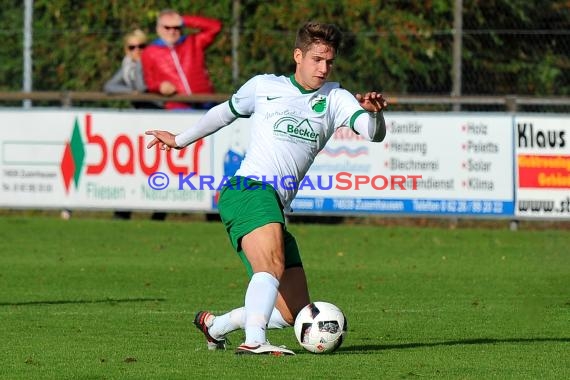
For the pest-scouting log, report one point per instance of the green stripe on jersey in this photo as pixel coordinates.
(234, 111)
(353, 119)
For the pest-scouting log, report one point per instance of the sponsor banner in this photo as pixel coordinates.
(459, 164)
(229, 146)
(542, 152)
(84, 159)
(461, 158)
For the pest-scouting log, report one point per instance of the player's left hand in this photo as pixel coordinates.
(372, 101)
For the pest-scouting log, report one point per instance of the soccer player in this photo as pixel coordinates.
(292, 118)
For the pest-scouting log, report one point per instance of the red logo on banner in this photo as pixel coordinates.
(73, 159)
(541, 171)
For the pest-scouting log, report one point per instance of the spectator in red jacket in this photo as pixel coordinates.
(175, 63)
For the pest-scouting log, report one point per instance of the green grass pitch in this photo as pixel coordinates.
(103, 299)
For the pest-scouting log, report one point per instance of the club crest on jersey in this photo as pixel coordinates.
(292, 128)
(319, 103)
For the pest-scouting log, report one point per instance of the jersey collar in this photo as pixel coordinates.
(296, 84)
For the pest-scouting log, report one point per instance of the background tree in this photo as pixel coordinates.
(510, 46)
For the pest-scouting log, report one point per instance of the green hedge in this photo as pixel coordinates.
(393, 46)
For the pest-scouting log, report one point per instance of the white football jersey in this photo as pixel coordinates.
(289, 127)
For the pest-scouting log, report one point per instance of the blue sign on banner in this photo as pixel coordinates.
(404, 206)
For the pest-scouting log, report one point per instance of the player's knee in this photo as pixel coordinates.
(277, 273)
(276, 266)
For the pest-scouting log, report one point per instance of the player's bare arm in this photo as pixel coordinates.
(372, 101)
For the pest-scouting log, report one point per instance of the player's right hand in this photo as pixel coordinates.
(164, 139)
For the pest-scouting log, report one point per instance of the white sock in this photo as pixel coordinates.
(276, 321)
(235, 320)
(259, 303)
(226, 323)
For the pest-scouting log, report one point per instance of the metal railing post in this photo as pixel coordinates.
(511, 103)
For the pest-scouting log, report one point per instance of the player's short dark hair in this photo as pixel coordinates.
(315, 32)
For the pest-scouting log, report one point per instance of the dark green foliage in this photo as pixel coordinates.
(11, 57)
(510, 47)
(525, 50)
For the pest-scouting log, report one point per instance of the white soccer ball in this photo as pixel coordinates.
(320, 327)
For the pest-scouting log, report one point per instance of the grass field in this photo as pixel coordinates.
(102, 299)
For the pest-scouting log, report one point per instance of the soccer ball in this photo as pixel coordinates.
(320, 327)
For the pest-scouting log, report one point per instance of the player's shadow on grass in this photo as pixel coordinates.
(64, 302)
(363, 349)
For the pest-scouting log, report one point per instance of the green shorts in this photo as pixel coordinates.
(245, 205)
